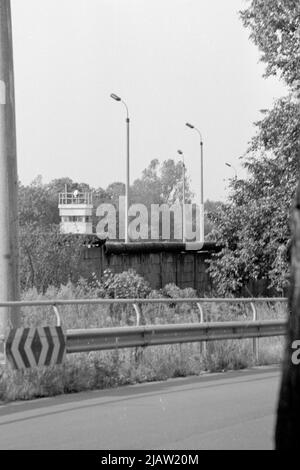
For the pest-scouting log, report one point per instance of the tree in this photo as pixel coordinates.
(33, 203)
(160, 184)
(211, 208)
(48, 257)
(114, 191)
(147, 189)
(254, 225)
(274, 26)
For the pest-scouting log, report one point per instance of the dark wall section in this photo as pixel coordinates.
(163, 263)
(184, 268)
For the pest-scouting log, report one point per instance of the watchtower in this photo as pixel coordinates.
(75, 210)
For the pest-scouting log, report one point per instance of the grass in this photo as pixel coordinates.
(104, 369)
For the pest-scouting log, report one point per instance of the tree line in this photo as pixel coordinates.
(49, 257)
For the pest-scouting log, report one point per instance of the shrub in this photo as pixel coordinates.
(126, 285)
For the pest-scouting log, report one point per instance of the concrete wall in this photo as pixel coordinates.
(185, 269)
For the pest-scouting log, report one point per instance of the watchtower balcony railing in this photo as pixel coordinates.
(75, 198)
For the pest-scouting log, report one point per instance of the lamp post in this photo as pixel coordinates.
(231, 166)
(201, 183)
(183, 196)
(117, 98)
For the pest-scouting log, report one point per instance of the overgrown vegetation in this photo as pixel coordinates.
(48, 257)
(97, 370)
(254, 226)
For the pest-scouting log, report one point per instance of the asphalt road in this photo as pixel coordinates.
(233, 410)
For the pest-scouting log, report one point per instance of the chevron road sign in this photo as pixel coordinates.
(32, 347)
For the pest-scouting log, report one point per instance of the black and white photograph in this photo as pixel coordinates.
(149, 228)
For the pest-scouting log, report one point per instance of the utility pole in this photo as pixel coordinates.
(9, 248)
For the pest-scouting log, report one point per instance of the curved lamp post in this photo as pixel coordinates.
(180, 152)
(117, 98)
(201, 184)
(231, 166)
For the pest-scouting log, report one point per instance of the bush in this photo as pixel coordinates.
(126, 285)
(173, 291)
(47, 257)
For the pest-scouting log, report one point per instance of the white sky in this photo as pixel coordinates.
(172, 61)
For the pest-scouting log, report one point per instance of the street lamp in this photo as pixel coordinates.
(201, 184)
(180, 152)
(117, 98)
(231, 166)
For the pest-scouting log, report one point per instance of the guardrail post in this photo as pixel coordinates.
(138, 350)
(58, 319)
(255, 341)
(203, 345)
(138, 314)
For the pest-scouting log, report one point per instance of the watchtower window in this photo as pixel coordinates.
(76, 218)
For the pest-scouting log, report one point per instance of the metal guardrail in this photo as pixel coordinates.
(137, 303)
(194, 300)
(150, 335)
(153, 335)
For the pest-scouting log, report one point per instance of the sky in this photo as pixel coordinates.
(171, 61)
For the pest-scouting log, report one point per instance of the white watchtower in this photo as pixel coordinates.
(76, 210)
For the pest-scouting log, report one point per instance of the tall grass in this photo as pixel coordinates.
(98, 370)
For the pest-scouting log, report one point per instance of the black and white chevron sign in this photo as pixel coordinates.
(32, 347)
